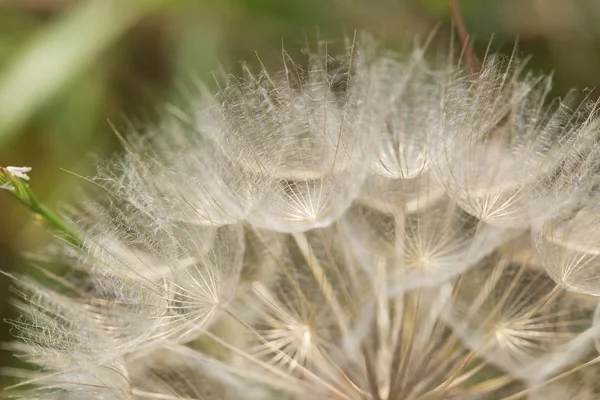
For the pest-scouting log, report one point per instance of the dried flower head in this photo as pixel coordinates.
(369, 226)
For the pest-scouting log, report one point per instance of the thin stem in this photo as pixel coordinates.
(19, 189)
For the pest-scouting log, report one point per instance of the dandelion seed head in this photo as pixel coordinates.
(371, 225)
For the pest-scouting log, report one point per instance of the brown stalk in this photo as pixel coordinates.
(472, 59)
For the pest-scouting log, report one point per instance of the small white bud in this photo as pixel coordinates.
(19, 172)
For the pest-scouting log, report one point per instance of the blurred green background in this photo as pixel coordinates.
(67, 67)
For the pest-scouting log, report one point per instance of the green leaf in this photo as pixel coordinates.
(59, 54)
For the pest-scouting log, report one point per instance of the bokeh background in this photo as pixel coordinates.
(68, 67)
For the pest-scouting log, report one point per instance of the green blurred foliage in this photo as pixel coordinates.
(69, 66)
